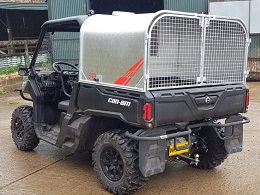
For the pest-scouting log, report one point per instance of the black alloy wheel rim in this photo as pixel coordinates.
(112, 163)
(19, 129)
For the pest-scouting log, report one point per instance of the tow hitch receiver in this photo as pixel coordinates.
(182, 146)
(153, 145)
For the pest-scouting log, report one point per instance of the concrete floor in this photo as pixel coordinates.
(47, 170)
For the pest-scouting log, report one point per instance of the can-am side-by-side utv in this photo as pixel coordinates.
(137, 90)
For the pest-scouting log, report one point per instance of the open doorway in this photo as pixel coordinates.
(136, 6)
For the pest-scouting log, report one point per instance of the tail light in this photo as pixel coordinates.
(247, 101)
(148, 111)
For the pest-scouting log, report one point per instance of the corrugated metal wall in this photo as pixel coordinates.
(254, 57)
(196, 6)
(65, 46)
(254, 48)
(65, 8)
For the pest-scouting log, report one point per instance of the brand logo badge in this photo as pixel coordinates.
(119, 102)
(207, 100)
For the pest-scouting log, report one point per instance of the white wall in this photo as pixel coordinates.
(239, 9)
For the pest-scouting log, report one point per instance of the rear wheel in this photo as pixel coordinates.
(115, 160)
(22, 128)
(210, 148)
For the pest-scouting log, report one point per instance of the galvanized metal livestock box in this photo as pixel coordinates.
(162, 50)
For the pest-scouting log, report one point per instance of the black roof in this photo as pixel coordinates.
(72, 23)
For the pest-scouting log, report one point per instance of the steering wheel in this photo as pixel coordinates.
(56, 66)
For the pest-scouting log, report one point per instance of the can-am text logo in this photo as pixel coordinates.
(118, 102)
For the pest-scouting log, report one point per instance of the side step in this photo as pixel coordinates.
(47, 133)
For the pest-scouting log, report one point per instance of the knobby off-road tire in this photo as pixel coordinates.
(115, 160)
(22, 128)
(210, 148)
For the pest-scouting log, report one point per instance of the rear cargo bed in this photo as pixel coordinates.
(181, 105)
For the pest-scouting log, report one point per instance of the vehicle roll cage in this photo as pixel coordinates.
(69, 24)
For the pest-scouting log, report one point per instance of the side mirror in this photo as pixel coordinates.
(23, 72)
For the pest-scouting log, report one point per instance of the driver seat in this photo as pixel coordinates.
(64, 105)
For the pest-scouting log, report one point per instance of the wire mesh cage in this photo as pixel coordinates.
(224, 52)
(190, 51)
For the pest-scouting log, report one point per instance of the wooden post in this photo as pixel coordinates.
(9, 30)
(26, 56)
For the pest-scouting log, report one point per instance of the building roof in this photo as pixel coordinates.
(23, 6)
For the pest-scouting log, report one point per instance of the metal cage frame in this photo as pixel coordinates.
(233, 58)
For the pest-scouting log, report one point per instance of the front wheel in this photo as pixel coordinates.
(115, 160)
(22, 128)
(210, 148)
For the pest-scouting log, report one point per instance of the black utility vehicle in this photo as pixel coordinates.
(148, 88)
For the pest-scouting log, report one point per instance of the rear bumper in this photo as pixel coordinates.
(142, 135)
(153, 143)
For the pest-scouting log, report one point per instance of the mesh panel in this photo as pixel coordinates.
(65, 47)
(61, 46)
(183, 53)
(174, 52)
(224, 52)
(44, 58)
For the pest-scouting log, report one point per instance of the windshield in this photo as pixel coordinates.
(58, 46)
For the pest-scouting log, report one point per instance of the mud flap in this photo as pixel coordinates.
(234, 144)
(152, 157)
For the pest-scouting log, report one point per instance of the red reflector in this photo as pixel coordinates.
(247, 99)
(148, 111)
